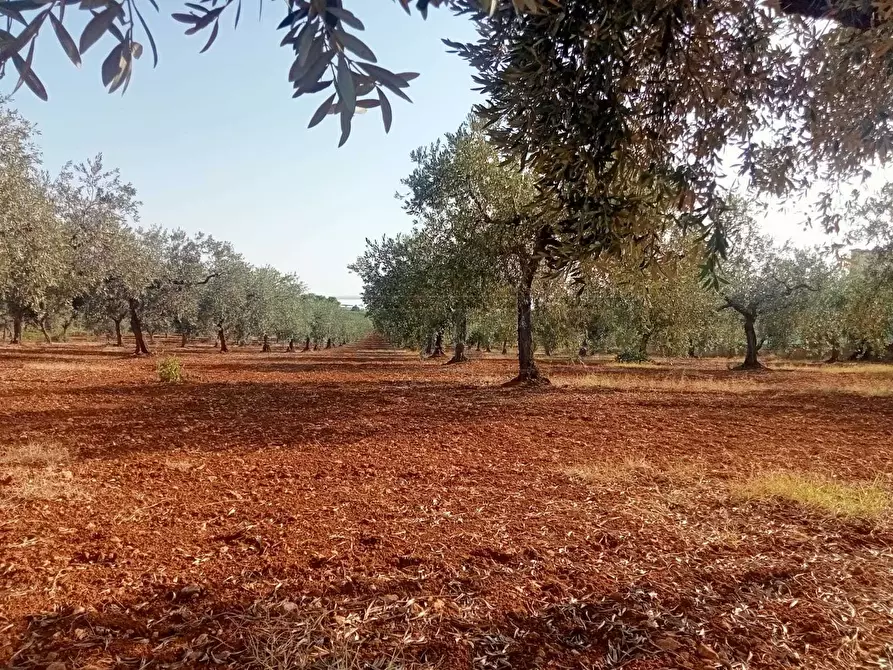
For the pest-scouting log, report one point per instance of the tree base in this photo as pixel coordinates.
(750, 366)
(457, 359)
(437, 354)
(529, 378)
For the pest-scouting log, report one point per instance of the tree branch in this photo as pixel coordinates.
(791, 289)
(183, 282)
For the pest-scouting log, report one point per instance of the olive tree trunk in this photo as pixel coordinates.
(266, 347)
(461, 335)
(221, 337)
(136, 327)
(438, 345)
(119, 336)
(43, 329)
(751, 360)
(17, 321)
(528, 372)
(306, 344)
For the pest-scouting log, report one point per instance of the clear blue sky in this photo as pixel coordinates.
(214, 142)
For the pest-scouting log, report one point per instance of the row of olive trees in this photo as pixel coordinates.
(472, 271)
(70, 255)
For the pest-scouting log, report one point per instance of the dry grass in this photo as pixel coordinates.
(633, 470)
(837, 368)
(33, 453)
(181, 466)
(667, 383)
(50, 483)
(628, 470)
(32, 471)
(864, 500)
(874, 388)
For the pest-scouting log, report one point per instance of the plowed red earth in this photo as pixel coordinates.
(360, 507)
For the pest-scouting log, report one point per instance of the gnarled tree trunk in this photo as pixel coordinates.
(43, 329)
(136, 327)
(221, 337)
(461, 335)
(429, 345)
(306, 344)
(528, 372)
(438, 345)
(644, 339)
(17, 321)
(119, 336)
(266, 347)
(751, 361)
(291, 345)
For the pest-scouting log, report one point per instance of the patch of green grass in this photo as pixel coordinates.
(864, 500)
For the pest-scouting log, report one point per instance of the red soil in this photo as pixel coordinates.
(387, 507)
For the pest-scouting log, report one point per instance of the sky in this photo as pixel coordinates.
(215, 143)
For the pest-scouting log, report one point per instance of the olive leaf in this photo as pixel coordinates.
(98, 26)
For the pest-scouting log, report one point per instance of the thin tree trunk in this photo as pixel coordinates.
(329, 343)
(46, 334)
(835, 353)
(584, 349)
(751, 362)
(307, 344)
(65, 327)
(16, 329)
(136, 327)
(184, 339)
(528, 372)
(438, 345)
(461, 334)
(119, 337)
(477, 346)
(315, 345)
(487, 346)
(692, 353)
(221, 337)
(547, 348)
(505, 348)
(291, 345)
(266, 348)
(151, 337)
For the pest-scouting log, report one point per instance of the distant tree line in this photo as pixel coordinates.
(71, 256)
(470, 272)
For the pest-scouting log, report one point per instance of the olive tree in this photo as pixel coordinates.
(610, 104)
(465, 181)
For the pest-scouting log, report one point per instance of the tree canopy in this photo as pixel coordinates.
(612, 105)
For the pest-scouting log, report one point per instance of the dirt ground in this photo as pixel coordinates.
(361, 507)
